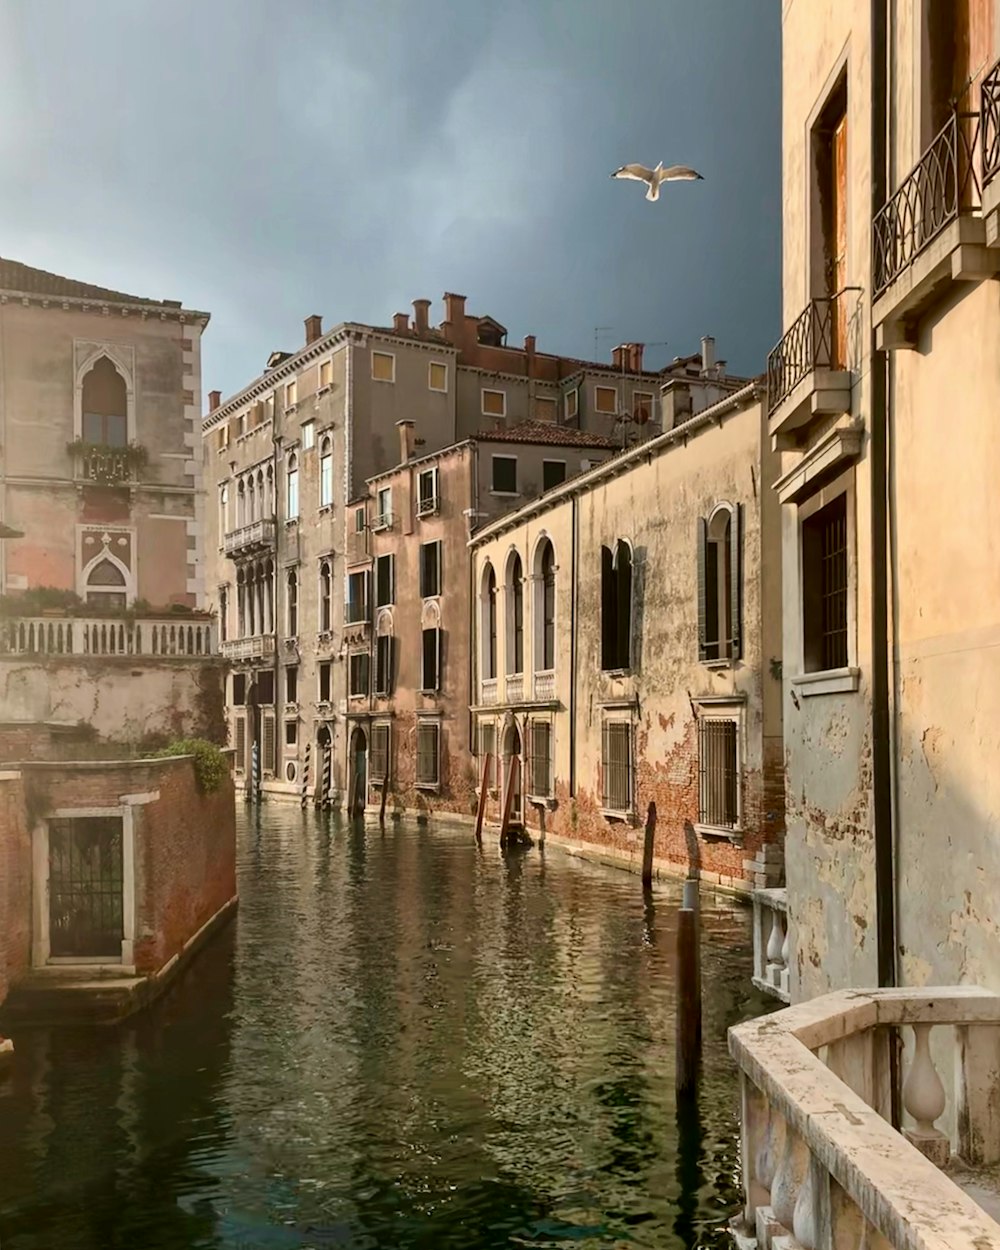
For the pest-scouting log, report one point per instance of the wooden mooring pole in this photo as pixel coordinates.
(647, 848)
(508, 799)
(688, 1046)
(483, 792)
(385, 795)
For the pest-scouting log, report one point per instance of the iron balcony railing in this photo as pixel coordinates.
(944, 185)
(357, 612)
(989, 123)
(816, 339)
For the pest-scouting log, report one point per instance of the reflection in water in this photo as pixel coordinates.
(404, 1041)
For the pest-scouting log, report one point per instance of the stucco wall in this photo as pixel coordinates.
(15, 882)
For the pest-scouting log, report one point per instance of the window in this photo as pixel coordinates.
(291, 393)
(825, 586)
(265, 686)
(325, 375)
(545, 607)
(616, 766)
(267, 734)
(505, 475)
(829, 216)
(291, 733)
(240, 763)
(718, 773)
(606, 399)
(719, 585)
(380, 753)
(292, 488)
(359, 520)
(515, 615)
(488, 623)
(359, 664)
(291, 683)
(383, 664)
(223, 613)
(106, 585)
(292, 602)
(553, 473)
(427, 492)
(385, 580)
(308, 435)
(223, 442)
(269, 408)
(430, 669)
(572, 404)
(239, 689)
(642, 407)
(488, 747)
(428, 761)
(324, 681)
(616, 607)
(430, 569)
(383, 508)
(357, 598)
(383, 367)
(326, 472)
(325, 597)
(545, 410)
(437, 376)
(541, 759)
(105, 406)
(223, 510)
(494, 403)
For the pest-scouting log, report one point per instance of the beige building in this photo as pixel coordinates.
(627, 640)
(287, 459)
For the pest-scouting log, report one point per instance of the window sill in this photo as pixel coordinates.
(506, 494)
(719, 833)
(539, 800)
(718, 664)
(325, 509)
(830, 681)
(431, 786)
(291, 522)
(619, 674)
(323, 389)
(624, 817)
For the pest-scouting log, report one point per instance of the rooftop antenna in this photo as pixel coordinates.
(599, 332)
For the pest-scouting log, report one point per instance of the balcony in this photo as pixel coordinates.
(514, 688)
(488, 691)
(989, 123)
(257, 536)
(807, 373)
(428, 505)
(106, 638)
(822, 1164)
(357, 612)
(102, 465)
(770, 942)
(545, 686)
(931, 234)
(383, 521)
(260, 647)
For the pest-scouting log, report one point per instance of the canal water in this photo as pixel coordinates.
(403, 1041)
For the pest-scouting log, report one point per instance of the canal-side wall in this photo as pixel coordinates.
(15, 882)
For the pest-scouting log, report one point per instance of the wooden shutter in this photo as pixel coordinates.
(623, 589)
(268, 752)
(701, 544)
(432, 659)
(241, 744)
(736, 582)
(609, 642)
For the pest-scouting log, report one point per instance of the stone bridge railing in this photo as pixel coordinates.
(823, 1168)
(177, 638)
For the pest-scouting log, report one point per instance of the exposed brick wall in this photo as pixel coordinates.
(458, 788)
(15, 885)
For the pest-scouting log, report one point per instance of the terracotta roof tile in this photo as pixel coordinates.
(542, 432)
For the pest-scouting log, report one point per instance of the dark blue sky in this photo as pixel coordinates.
(266, 161)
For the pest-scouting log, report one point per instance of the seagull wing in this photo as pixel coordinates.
(639, 172)
(678, 173)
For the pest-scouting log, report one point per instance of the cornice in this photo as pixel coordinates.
(94, 304)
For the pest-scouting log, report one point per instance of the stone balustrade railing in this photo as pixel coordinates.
(771, 942)
(514, 687)
(823, 1167)
(545, 684)
(489, 690)
(105, 637)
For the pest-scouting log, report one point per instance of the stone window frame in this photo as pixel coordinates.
(489, 390)
(431, 366)
(384, 355)
(729, 709)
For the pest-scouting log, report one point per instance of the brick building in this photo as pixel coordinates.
(627, 638)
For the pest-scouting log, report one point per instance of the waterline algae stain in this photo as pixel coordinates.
(405, 1041)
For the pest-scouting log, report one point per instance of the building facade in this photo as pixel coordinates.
(626, 637)
(879, 395)
(288, 460)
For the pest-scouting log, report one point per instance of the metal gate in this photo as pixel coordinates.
(85, 887)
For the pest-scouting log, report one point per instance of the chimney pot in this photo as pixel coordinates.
(618, 356)
(314, 328)
(401, 323)
(454, 306)
(529, 344)
(405, 428)
(635, 356)
(707, 354)
(214, 399)
(421, 310)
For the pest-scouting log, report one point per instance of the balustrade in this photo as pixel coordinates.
(106, 637)
(514, 687)
(489, 690)
(771, 942)
(545, 684)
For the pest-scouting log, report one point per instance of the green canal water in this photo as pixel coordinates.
(403, 1041)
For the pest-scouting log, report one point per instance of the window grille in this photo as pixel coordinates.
(380, 753)
(718, 780)
(541, 759)
(617, 767)
(428, 741)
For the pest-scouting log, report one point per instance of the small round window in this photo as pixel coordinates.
(290, 771)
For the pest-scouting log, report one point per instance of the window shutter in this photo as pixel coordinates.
(702, 542)
(623, 587)
(423, 571)
(736, 581)
(437, 666)
(390, 658)
(392, 579)
(605, 757)
(608, 638)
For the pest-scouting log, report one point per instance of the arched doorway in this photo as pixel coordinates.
(358, 795)
(512, 750)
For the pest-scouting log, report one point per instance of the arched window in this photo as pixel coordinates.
(292, 602)
(106, 585)
(325, 597)
(241, 504)
(292, 487)
(616, 606)
(719, 624)
(268, 598)
(251, 501)
(269, 492)
(241, 603)
(545, 607)
(224, 509)
(261, 497)
(105, 406)
(223, 613)
(515, 615)
(326, 472)
(488, 618)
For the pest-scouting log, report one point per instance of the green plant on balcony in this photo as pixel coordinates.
(107, 465)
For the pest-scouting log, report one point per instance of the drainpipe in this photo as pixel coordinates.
(574, 500)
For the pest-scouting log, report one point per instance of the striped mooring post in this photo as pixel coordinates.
(328, 775)
(248, 782)
(305, 774)
(255, 767)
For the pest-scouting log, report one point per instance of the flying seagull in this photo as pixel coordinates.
(653, 177)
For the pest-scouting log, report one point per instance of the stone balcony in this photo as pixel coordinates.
(545, 685)
(488, 691)
(259, 647)
(108, 638)
(822, 1165)
(807, 371)
(257, 536)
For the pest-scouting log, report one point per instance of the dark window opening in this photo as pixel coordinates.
(359, 674)
(357, 597)
(616, 607)
(548, 608)
(428, 761)
(541, 757)
(291, 733)
(292, 684)
(380, 753)
(265, 686)
(105, 406)
(719, 585)
(383, 664)
(430, 677)
(430, 569)
(324, 683)
(824, 587)
(384, 581)
(553, 473)
(505, 474)
(239, 689)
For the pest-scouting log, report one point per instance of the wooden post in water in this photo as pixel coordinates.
(647, 849)
(483, 791)
(385, 795)
(508, 799)
(688, 1048)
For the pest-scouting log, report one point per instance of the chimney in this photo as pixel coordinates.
(214, 400)
(707, 354)
(421, 309)
(314, 329)
(454, 310)
(529, 352)
(635, 357)
(676, 403)
(405, 428)
(401, 323)
(618, 356)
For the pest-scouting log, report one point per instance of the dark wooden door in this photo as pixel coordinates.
(85, 887)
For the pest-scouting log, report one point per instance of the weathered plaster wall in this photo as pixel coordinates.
(15, 882)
